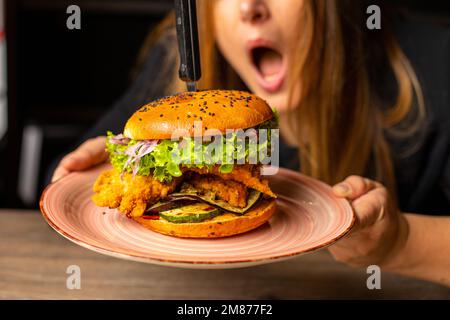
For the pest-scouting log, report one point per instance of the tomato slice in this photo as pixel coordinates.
(151, 217)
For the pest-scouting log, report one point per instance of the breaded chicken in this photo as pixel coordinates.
(108, 189)
(130, 194)
(235, 193)
(247, 174)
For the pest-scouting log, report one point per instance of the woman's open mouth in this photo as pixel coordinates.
(269, 65)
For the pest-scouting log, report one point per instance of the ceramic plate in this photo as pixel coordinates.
(308, 218)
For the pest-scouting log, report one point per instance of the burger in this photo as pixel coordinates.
(165, 182)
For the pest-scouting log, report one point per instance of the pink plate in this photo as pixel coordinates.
(308, 218)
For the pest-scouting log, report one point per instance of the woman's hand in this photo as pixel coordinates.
(380, 231)
(88, 154)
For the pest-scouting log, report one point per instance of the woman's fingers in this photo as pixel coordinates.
(59, 173)
(378, 226)
(85, 156)
(354, 186)
(368, 199)
(370, 207)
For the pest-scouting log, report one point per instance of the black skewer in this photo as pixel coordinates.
(187, 34)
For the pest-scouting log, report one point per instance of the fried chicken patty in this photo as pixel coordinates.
(247, 174)
(233, 192)
(130, 194)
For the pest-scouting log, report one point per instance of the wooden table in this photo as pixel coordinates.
(34, 259)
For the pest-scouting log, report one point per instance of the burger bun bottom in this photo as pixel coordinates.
(225, 225)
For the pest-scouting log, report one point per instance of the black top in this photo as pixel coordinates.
(423, 178)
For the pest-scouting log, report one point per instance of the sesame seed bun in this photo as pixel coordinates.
(216, 109)
(224, 225)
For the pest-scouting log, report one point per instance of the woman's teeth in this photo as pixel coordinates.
(270, 77)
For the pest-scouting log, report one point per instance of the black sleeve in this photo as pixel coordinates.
(423, 176)
(150, 84)
(429, 192)
(446, 178)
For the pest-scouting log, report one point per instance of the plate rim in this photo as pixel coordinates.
(192, 264)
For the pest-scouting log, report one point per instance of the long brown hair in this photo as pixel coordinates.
(345, 118)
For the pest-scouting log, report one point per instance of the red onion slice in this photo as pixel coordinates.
(136, 152)
(119, 139)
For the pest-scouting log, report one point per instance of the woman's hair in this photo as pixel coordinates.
(344, 111)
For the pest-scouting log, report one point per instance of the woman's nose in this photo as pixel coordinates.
(254, 11)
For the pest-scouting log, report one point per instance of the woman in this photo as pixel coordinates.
(349, 100)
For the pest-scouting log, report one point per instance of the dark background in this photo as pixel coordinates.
(60, 81)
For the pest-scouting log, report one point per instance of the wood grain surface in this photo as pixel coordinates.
(34, 259)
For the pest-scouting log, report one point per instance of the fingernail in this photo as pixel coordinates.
(341, 188)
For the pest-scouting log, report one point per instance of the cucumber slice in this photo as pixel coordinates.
(196, 212)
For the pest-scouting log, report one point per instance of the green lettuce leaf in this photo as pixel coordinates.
(166, 159)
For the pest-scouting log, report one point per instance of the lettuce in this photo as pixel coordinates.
(166, 158)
